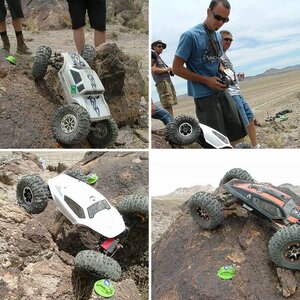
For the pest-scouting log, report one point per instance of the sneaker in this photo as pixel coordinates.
(258, 146)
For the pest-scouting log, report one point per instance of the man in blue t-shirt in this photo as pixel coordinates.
(197, 59)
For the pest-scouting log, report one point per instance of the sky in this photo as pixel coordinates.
(175, 168)
(266, 32)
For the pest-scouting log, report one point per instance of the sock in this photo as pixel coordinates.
(3, 33)
(18, 33)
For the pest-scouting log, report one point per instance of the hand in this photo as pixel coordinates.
(214, 83)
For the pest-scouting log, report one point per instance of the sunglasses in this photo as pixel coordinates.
(228, 40)
(159, 46)
(220, 18)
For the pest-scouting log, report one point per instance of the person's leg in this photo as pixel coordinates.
(97, 16)
(248, 118)
(162, 114)
(166, 96)
(170, 110)
(77, 11)
(99, 37)
(252, 133)
(79, 38)
(3, 32)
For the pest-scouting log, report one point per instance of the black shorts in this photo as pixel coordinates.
(15, 8)
(220, 112)
(96, 11)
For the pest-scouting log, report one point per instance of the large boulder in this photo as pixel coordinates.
(186, 259)
(123, 82)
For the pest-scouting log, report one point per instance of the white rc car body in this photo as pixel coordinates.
(84, 205)
(82, 85)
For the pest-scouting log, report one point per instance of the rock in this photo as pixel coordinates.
(45, 15)
(122, 82)
(288, 281)
(191, 269)
(3, 73)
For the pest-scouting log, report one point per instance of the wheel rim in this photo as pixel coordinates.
(27, 195)
(100, 131)
(68, 123)
(202, 213)
(185, 129)
(292, 252)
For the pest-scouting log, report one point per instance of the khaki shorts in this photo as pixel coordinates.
(167, 94)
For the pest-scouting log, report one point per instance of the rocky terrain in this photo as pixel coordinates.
(37, 251)
(267, 96)
(185, 258)
(27, 106)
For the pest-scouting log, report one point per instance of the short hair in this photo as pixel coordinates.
(214, 3)
(223, 32)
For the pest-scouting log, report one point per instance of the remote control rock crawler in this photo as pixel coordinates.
(86, 114)
(271, 203)
(82, 204)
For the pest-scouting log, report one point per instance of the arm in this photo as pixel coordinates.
(157, 70)
(180, 70)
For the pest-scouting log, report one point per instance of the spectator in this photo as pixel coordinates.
(234, 90)
(161, 75)
(197, 59)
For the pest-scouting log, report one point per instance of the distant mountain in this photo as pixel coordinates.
(274, 71)
(186, 192)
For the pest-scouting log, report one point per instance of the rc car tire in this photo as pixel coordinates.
(135, 207)
(32, 194)
(236, 173)
(46, 50)
(98, 265)
(103, 133)
(206, 210)
(40, 62)
(88, 54)
(70, 124)
(284, 247)
(77, 174)
(243, 146)
(182, 130)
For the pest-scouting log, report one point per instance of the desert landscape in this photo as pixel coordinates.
(267, 95)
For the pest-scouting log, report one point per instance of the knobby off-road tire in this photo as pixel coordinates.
(284, 247)
(182, 130)
(236, 173)
(206, 210)
(88, 54)
(77, 174)
(70, 124)
(98, 265)
(135, 207)
(103, 133)
(243, 146)
(40, 63)
(32, 194)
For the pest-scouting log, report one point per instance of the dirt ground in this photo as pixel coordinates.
(266, 96)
